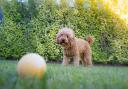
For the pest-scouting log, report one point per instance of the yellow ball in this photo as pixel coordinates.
(31, 64)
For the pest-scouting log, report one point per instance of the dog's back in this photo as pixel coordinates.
(82, 44)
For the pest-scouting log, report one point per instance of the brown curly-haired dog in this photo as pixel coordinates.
(75, 48)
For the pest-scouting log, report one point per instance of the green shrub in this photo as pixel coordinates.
(14, 41)
(38, 35)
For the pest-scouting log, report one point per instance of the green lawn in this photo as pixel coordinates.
(59, 77)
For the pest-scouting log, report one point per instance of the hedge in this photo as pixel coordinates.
(38, 33)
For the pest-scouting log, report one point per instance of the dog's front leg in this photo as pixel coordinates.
(76, 60)
(65, 60)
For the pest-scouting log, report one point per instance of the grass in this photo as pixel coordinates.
(59, 77)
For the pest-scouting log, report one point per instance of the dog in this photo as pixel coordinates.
(75, 48)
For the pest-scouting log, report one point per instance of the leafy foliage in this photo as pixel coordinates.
(86, 17)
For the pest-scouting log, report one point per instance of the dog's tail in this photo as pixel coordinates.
(90, 39)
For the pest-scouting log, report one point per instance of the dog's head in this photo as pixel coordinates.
(65, 36)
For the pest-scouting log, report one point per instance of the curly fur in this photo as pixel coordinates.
(75, 48)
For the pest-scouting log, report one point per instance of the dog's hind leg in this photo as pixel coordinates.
(87, 60)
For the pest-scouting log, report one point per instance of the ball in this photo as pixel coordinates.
(31, 64)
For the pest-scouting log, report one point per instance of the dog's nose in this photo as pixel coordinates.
(62, 41)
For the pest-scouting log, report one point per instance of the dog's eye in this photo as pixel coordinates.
(67, 36)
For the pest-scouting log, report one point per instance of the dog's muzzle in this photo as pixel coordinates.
(62, 41)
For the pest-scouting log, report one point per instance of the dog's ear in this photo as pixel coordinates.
(72, 42)
(71, 39)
